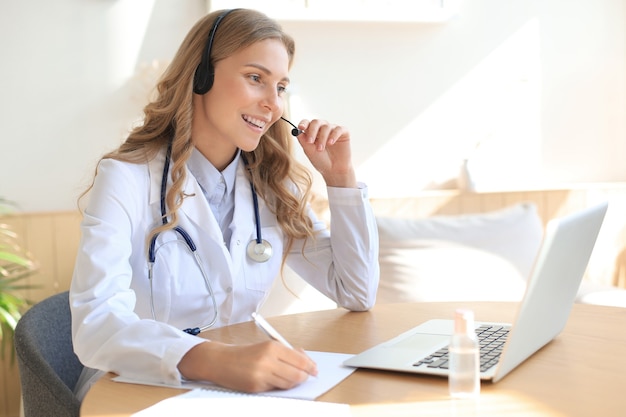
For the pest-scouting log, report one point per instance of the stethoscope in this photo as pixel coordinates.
(259, 249)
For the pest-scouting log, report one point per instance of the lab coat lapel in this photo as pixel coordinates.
(243, 225)
(195, 207)
(155, 166)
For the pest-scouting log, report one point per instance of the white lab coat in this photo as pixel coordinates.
(112, 323)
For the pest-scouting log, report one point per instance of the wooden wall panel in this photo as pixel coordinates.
(66, 240)
(52, 238)
(9, 389)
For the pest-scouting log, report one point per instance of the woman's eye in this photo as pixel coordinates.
(281, 89)
(255, 77)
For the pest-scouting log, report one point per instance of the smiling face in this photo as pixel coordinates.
(247, 97)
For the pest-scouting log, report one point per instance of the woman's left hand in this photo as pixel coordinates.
(328, 148)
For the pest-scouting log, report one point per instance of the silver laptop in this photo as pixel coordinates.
(550, 293)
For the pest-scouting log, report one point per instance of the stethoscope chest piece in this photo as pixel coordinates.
(259, 252)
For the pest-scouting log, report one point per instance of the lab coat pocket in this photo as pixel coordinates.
(260, 275)
(179, 285)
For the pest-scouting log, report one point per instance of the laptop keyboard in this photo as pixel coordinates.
(491, 340)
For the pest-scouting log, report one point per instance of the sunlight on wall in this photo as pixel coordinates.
(127, 22)
(349, 10)
(491, 117)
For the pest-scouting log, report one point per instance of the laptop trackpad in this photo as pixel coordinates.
(422, 341)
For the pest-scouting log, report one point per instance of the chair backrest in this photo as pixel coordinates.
(48, 367)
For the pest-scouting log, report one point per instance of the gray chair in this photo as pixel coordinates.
(48, 367)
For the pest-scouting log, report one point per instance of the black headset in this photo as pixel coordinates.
(205, 73)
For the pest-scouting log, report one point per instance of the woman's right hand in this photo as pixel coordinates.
(251, 368)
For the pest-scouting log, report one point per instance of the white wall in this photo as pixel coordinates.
(540, 84)
(72, 82)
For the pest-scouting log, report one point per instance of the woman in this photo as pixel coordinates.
(211, 168)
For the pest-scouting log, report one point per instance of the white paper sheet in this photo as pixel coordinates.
(203, 402)
(331, 372)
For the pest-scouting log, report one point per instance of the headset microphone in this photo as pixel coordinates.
(295, 131)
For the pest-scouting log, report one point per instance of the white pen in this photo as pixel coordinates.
(269, 330)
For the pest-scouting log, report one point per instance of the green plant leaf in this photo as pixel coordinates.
(16, 264)
(17, 259)
(9, 317)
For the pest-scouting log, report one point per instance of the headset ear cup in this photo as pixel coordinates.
(204, 75)
(203, 79)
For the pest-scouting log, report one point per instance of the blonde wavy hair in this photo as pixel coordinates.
(279, 179)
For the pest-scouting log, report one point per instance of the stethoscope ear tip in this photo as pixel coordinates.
(192, 331)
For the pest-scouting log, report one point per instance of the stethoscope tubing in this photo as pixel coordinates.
(259, 250)
(192, 247)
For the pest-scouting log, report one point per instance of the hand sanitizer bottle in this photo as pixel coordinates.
(464, 369)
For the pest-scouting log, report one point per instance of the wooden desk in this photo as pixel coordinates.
(581, 373)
